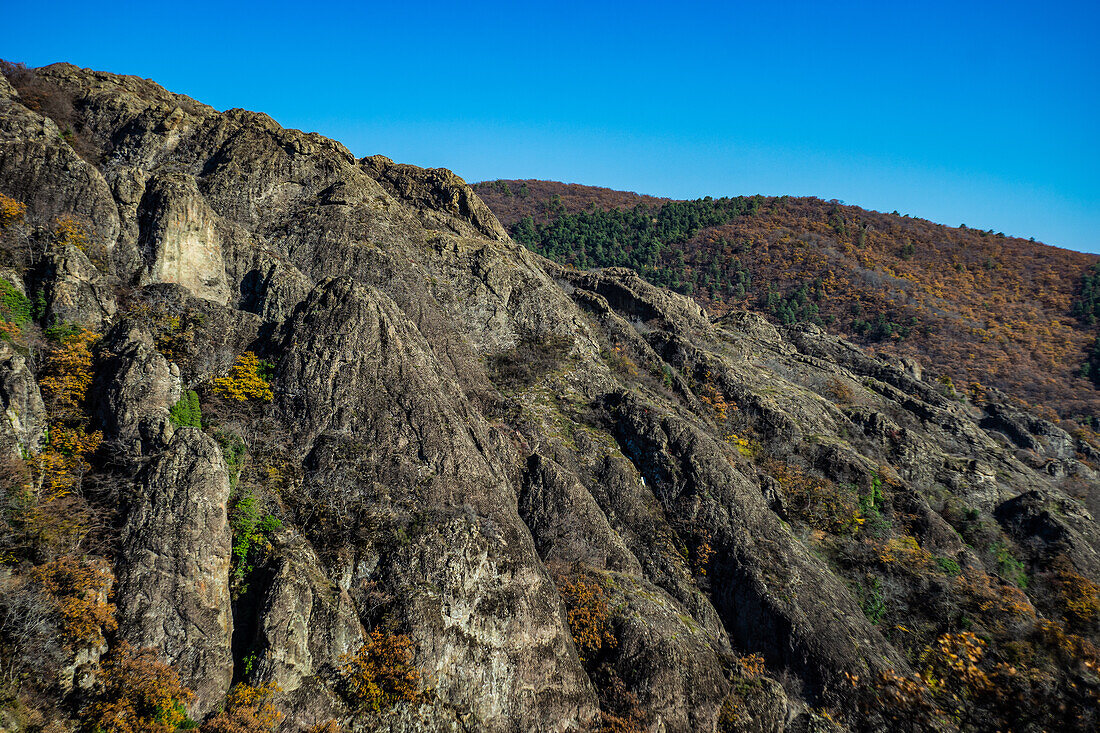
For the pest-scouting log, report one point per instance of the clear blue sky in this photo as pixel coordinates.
(984, 113)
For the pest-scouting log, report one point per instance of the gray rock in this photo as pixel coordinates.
(134, 389)
(77, 292)
(173, 574)
(24, 415)
(179, 239)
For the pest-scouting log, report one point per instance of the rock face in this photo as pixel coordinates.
(173, 573)
(135, 389)
(24, 418)
(179, 240)
(78, 292)
(582, 503)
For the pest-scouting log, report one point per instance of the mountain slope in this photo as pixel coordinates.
(977, 306)
(299, 440)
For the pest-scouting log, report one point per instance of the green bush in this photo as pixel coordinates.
(874, 607)
(60, 332)
(1008, 566)
(250, 529)
(186, 413)
(948, 565)
(14, 306)
(233, 451)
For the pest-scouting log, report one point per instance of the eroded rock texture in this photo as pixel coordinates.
(481, 451)
(173, 572)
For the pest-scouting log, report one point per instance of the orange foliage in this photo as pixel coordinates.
(79, 588)
(381, 673)
(140, 694)
(953, 660)
(247, 710)
(11, 211)
(818, 502)
(1072, 650)
(752, 665)
(68, 230)
(1001, 608)
(589, 616)
(839, 392)
(68, 374)
(703, 553)
(904, 552)
(903, 700)
(989, 309)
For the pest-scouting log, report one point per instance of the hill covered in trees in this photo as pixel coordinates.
(977, 308)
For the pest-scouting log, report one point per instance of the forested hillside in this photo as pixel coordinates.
(978, 308)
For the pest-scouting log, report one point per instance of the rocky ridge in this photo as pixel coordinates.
(584, 503)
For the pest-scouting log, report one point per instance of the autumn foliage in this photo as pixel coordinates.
(78, 588)
(381, 674)
(68, 374)
(978, 305)
(64, 384)
(244, 382)
(11, 211)
(818, 502)
(53, 511)
(1078, 596)
(140, 694)
(70, 231)
(589, 615)
(247, 709)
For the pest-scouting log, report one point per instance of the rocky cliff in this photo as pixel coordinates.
(318, 434)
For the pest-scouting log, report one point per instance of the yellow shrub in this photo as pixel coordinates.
(1079, 596)
(68, 374)
(904, 551)
(244, 381)
(381, 673)
(953, 661)
(11, 211)
(818, 502)
(589, 616)
(66, 377)
(712, 397)
(70, 230)
(247, 710)
(752, 665)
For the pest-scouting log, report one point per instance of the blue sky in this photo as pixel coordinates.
(984, 113)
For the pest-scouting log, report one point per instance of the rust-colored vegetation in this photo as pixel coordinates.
(982, 307)
(381, 674)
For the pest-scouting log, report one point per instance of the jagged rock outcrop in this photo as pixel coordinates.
(566, 523)
(458, 432)
(418, 449)
(173, 574)
(179, 239)
(24, 418)
(304, 623)
(135, 388)
(432, 190)
(1048, 525)
(76, 292)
